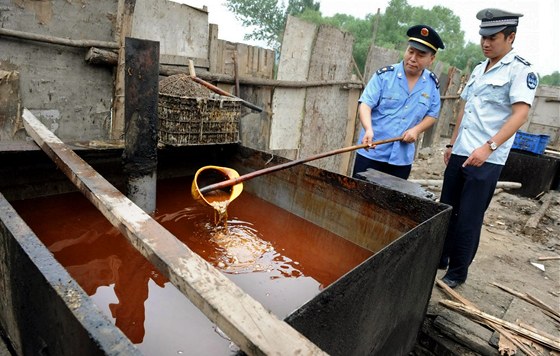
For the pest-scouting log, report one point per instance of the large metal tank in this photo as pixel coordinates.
(376, 308)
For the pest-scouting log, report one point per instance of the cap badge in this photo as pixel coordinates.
(424, 32)
(489, 14)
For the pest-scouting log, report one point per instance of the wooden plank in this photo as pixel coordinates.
(347, 159)
(529, 299)
(533, 221)
(183, 61)
(227, 58)
(214, 49)
(288, 104)
(325, 124)
(124, 29)
(449, 108)
(439, 183)
(56, 40)
(498, 328)
(269, 60)
(538, 336)
(245, 61)
(379, 57)
(11, 127)
(101, 57)
(255, 330)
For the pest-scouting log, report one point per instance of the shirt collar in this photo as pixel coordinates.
(507, 59)
(400, 72)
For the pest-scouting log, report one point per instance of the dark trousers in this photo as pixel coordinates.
(363, 163)
(469, 191)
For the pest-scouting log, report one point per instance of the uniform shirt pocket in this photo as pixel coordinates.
(496, 90)
(390, 104)
(421, 108)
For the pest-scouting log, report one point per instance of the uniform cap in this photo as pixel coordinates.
(424, 38)
(496, 20)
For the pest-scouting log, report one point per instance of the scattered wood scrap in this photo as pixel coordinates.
(551, 312)
(505, 347)
(533, 221)
(475, 314)
(439, 183)
(548, 258)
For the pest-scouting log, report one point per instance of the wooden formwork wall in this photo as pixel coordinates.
(309, 120)
(237, 60)
(544, 117)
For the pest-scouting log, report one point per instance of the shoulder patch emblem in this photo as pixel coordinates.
(532, 80)
(385, 70)
(522, 60)
(435, 78)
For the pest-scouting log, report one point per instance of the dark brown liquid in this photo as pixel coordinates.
(279, 259)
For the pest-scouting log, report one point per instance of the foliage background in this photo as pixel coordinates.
(268, 18)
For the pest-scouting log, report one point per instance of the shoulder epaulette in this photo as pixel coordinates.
(522, 60)
(435, 78)
(385, 70)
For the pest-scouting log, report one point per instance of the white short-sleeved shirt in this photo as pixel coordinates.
(489, 98)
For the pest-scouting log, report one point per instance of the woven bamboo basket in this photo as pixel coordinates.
(190, 114)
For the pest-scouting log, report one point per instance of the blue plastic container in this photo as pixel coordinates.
(533, 143)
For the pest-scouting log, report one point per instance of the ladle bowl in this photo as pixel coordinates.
(212, 175)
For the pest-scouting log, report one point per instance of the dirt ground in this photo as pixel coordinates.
(508, 255)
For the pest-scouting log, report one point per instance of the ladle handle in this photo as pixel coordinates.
(240, 179)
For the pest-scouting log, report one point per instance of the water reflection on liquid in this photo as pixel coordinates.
(280, 260)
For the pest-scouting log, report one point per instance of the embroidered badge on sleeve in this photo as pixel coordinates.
(532, 80)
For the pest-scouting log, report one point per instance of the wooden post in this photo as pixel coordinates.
(236, 73)
(141, 101)
(124, 29)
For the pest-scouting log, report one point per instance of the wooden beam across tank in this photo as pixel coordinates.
(249, 325)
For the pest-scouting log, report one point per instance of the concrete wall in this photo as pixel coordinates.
(181, 30)
(71, 98)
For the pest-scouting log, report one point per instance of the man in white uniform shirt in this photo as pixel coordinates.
(497, 99)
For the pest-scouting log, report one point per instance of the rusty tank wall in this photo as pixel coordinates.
(42, 309)
(377, 308)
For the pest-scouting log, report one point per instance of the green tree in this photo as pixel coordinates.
(448, 25)
(268, 17)
(551, 79)
(464, 58)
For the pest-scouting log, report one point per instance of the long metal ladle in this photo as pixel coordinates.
(230, 178)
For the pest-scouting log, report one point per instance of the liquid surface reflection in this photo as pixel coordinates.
(279, 259)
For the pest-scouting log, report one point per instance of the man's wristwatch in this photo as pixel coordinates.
(492, 144)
